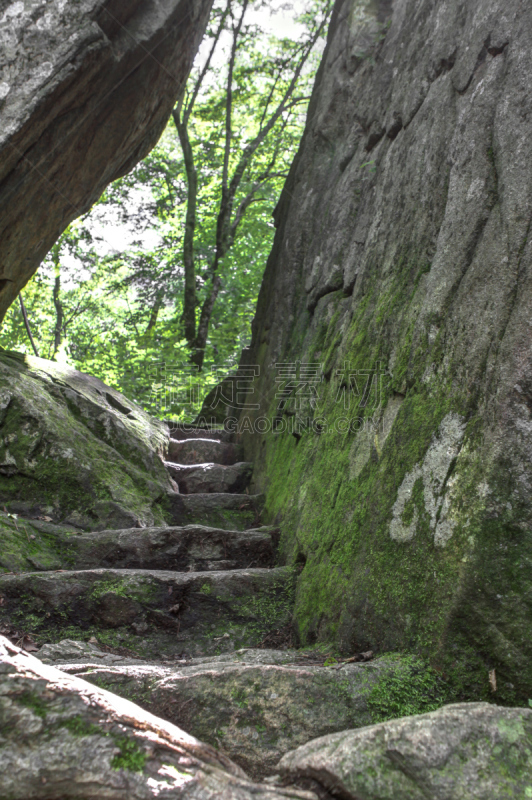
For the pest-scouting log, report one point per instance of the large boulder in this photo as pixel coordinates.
(254, 704)
(86, 89)
(76, 451)
(63, 737)
(394, 319)
(469, 750)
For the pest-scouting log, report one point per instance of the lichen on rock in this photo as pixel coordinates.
(433, 474)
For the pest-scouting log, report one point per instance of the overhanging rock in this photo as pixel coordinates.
(85, 91)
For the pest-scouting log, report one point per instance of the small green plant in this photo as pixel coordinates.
(206, 589)
(413, 688)
(114, 587)
(131, 757)
(80, 727)
(329, 661)
(240, 697)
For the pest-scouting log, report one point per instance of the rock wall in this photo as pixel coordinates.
(86, 89)
(402, 268)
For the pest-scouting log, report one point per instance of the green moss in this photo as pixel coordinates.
(81, 727)
(25, 547)
(34, 702)
(268, 609)
(66, 458)
(137, 590)
(131, 757)
(412, 688)
(460, 606)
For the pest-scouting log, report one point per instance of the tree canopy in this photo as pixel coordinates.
(162, 308)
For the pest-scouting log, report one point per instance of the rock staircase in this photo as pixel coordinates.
(203, 586)
(178, 618)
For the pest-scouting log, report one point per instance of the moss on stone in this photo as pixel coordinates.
(34, 702)
(78, 726)
(457, 602)
(131, 756)
(412, 688)
(68, 453)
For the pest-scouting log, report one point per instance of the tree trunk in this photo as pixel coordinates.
(189, 304)
(27, 325)
(59, 314)
(158, 304)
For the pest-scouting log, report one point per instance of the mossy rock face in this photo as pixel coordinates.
(400, 471)
(34, 545)
(77, 451)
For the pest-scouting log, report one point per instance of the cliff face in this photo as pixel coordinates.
(402, 270)
(85, 91)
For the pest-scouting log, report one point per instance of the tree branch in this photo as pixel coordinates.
(27, 324)
(229, 96)
(188, 106)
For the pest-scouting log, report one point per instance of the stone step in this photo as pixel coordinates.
(181, 433)
(203, 451)
(256, 705)
(148, 611)
(230, 512)
(211, 478)
(190, 548)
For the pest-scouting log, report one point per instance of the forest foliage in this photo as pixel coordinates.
(154, 290)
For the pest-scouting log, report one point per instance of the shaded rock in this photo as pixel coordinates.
(30, 544)
(62, 737)
(255, 708)
(236, 512)
(151, 612)
(69, 651)
(202, 451)
(472, 750)
(211, 478)
(113, 610)
(77, 451)
(86, 89)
